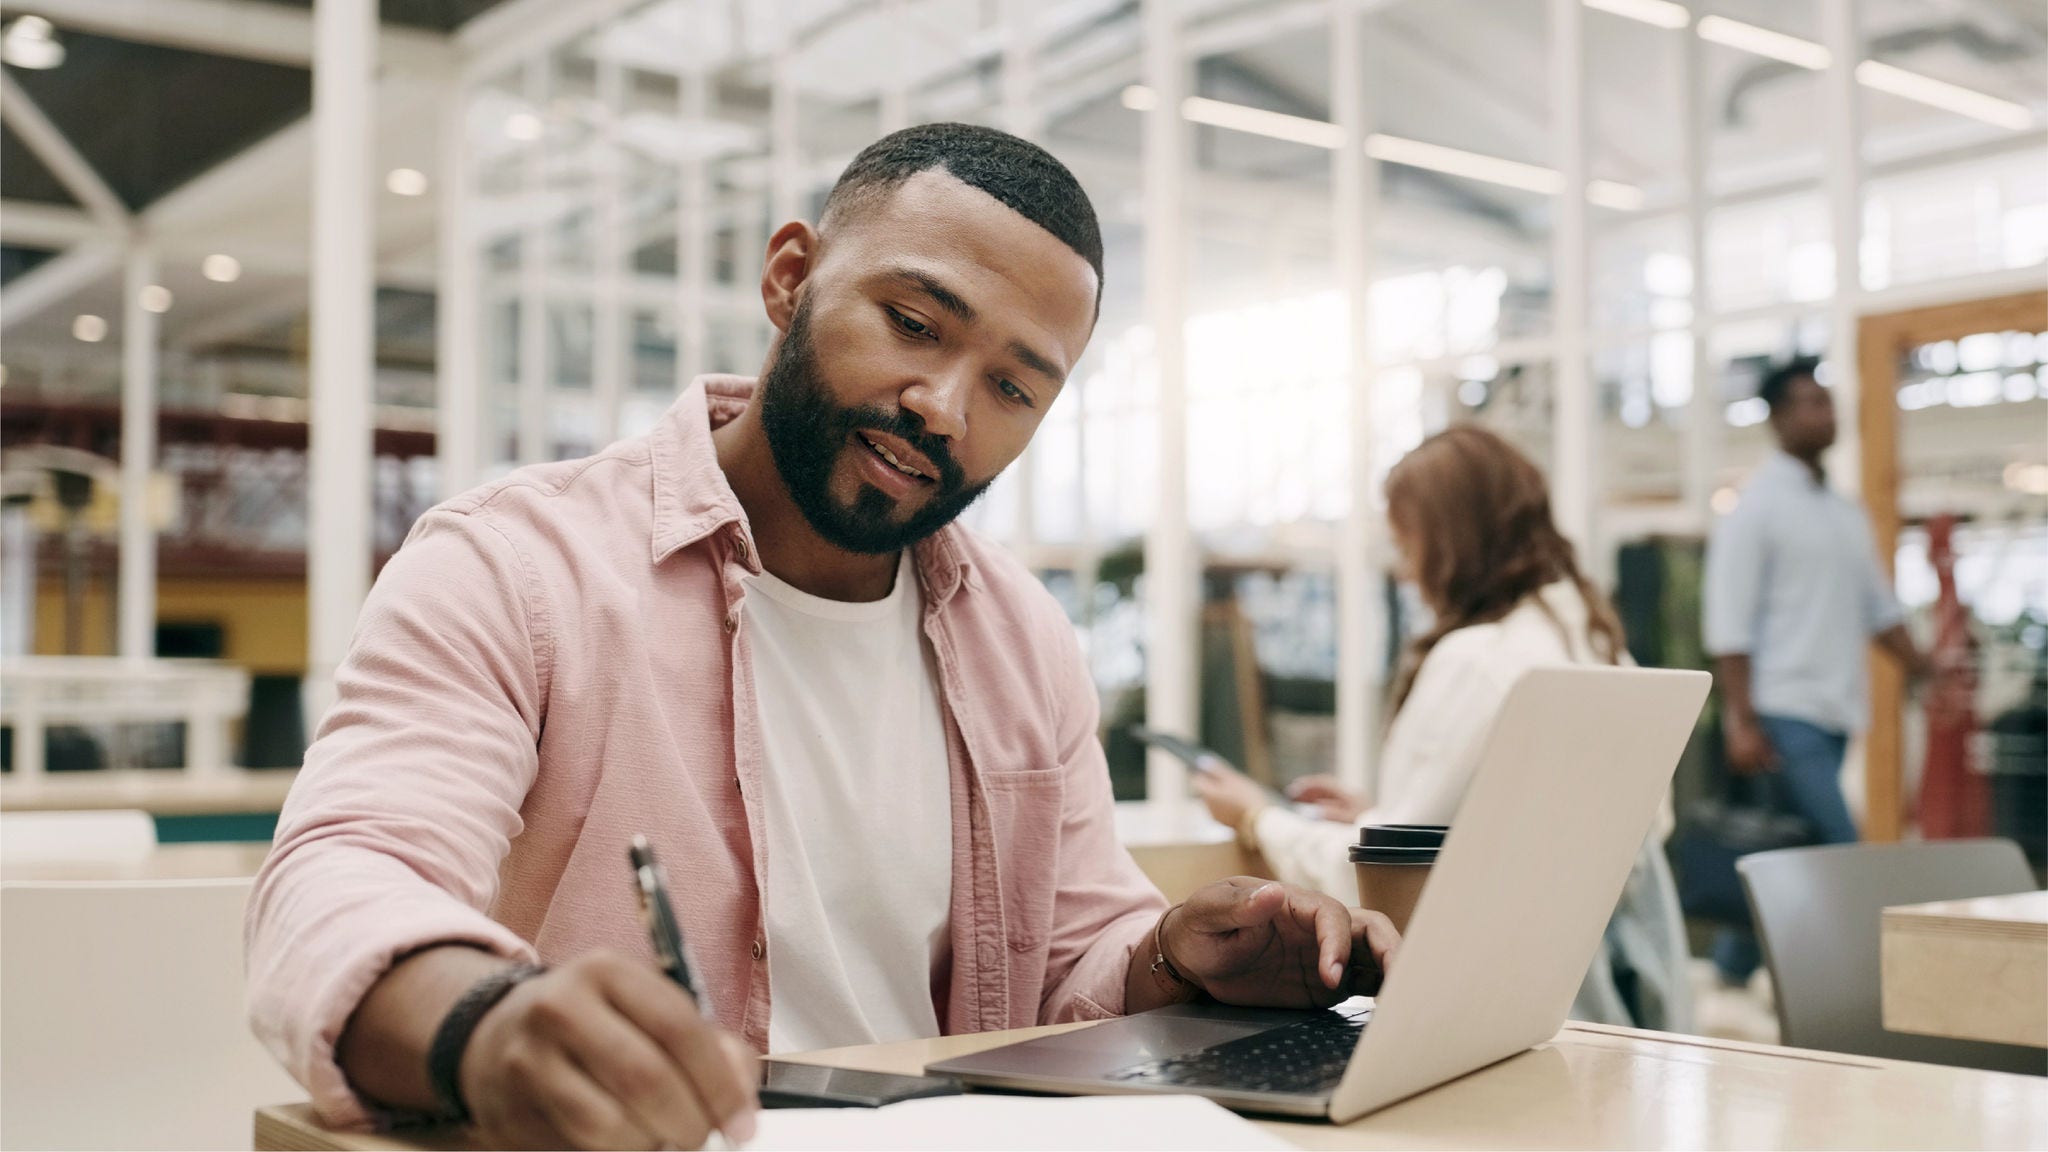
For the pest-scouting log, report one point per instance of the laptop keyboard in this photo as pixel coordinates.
(1307, 1057)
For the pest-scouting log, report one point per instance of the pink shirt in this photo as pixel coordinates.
(556, 661)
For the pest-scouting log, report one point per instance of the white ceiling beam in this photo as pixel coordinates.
(36, 225)
(51, 283)
(516, 29)
(63, 160)
(242, 28)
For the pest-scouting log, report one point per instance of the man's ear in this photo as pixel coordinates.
(788, 264)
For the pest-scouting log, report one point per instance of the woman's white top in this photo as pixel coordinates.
(1433, 746)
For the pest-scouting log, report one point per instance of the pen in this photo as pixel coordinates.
(660, 918)
(667, 936)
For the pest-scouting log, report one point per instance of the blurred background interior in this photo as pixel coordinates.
(252, 330)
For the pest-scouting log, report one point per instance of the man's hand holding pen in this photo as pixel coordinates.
(606, 1052)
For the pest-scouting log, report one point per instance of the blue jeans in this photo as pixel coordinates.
(1810, 770)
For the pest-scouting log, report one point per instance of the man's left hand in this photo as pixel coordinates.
(1261, 943)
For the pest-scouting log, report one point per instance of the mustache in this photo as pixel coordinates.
(909, 428)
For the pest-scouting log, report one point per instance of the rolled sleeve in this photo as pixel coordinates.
(1732, 596)
(1104, 907)
(1881, 611)
(410, 796)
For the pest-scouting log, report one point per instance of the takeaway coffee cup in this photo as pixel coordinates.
(1393, 861)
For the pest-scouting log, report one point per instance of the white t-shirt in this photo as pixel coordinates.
(859, 814)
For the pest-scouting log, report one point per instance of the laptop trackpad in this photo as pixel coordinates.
(1117, 1043)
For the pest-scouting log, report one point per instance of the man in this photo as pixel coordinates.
(1793, 596)
(863, 739)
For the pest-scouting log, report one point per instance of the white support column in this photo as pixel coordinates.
(896, 88)
(1575, 411)
(344, 339)
(140, 347)
(458, 411)
(534, 344)
(693, 234)
(1020, 118)
(1704, 422)
(1361, 623)
(785, 187)
(1172, 569)
(608, 326)
(1842, 129)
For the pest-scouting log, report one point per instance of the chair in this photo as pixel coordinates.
(125, 1025)
(1817, 913)
(120, 836)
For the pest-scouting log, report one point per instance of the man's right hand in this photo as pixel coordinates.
(606, 1052)
(1749, 750)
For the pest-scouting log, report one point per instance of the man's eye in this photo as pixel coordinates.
(1015, 393)
(914, 327)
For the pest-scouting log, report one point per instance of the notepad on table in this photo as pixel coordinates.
(990, 1122)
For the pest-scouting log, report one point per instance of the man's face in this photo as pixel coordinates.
(931, 333)
(1805, 420)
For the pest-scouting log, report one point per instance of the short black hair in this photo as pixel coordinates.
(1777, 383)
(1013, 170)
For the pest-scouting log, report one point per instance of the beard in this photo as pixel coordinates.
(807, 433)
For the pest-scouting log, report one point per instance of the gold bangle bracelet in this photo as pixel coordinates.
(1248, 828)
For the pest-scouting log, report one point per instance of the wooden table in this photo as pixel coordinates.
(1968, 969)
(1589, 1087)
(164, 862)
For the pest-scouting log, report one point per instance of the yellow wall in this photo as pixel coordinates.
(264, 619)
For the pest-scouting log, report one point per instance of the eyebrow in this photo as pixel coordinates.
(952, 302)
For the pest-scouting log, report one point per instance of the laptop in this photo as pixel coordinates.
(1568, 784)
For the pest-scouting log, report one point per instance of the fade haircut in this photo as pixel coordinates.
(1015, 171)
(1777, 383)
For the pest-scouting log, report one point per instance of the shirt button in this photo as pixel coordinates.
(732, 620)
(760, 949)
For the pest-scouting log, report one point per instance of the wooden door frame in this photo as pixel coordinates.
(1881, 342)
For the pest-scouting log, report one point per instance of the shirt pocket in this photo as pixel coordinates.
(1025, 811)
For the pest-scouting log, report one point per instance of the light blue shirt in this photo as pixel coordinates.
(1792, 581)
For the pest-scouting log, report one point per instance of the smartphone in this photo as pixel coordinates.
(786, 1085)
(1199, 758)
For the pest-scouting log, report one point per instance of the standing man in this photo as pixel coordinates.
(862, 738)
(1794, 594)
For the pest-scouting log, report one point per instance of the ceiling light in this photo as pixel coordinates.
(1764, 42)
(31, 42)
(2031, 479)
(1941, 94)
(1392, 149)
(1616, 195)
(1662, 13)
(221, 269)
(406, 182)
(1725, 500)
(89, 328)
(155, 298)
(1458, 162)
(524, 127)
(1258, 121)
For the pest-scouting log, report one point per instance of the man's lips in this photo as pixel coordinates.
(899, 455)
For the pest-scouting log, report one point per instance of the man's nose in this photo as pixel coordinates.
(940, 400)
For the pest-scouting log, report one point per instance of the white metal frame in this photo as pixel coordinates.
(344, 339)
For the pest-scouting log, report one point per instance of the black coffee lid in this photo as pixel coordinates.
(1372, 854)
(1403, 835)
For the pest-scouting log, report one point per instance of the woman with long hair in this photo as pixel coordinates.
(1470, 517)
